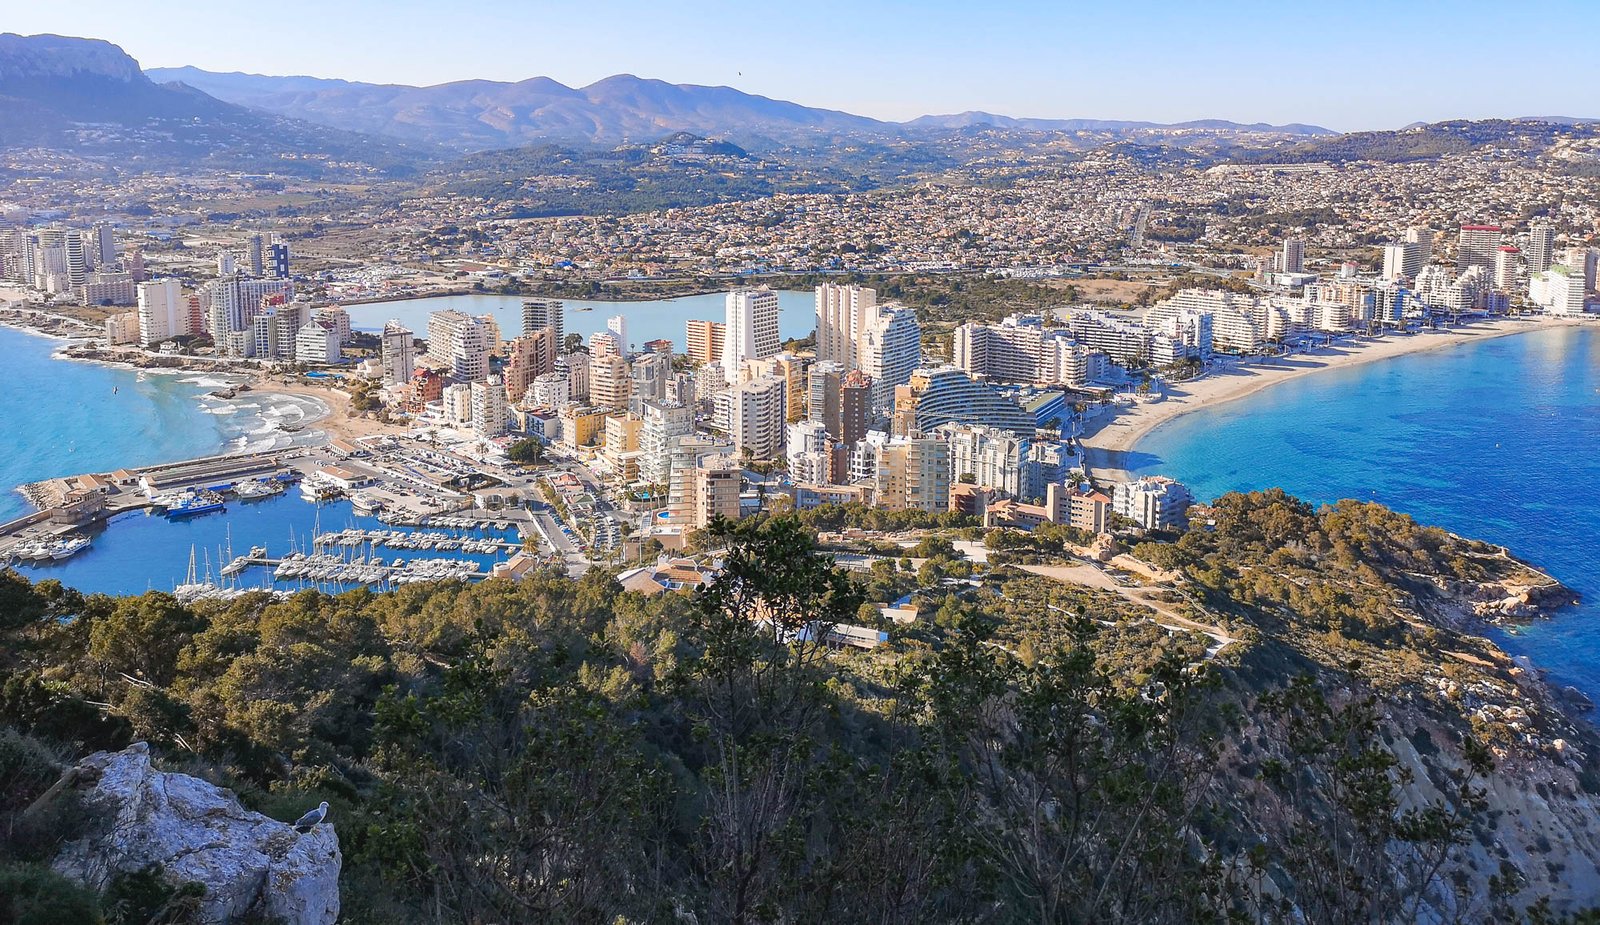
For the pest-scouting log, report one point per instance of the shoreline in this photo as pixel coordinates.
(331, 420)
(1106, 448)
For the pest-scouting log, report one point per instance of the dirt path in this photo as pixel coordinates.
(1171, 617)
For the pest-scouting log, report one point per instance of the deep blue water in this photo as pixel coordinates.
(651, 320)
(1498, 440)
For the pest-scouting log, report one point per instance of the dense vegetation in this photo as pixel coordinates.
(559, 750)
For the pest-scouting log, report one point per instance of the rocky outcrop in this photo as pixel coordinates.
(198, 832)
(59, 56)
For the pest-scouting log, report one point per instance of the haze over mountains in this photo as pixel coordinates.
(89, 98)
(482, 114)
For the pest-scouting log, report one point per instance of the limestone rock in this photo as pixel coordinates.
(199, 832)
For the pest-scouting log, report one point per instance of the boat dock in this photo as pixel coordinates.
(335, 569)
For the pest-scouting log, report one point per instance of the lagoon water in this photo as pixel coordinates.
(1498, 440)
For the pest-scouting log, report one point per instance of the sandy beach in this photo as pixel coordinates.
(340, 422)
(1112, 436)
(337, 420)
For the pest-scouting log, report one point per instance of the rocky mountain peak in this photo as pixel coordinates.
(54, 57)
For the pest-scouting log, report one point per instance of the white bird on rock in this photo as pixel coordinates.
(309, 821)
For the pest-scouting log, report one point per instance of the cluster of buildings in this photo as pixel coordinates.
(1493, 269)
(711, 430)
(82, 264)
(250, 310)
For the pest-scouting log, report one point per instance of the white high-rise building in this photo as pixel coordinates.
(1292, 259)
(662, 423)
(469, 352)
(399, 353)
(889, 350)
(1541, 248)
(618, 325)
(1020, 349)
(751, 329)
(993, 458)
(1476, 246)
(550, 390)
(1153, 502)
(853, 330)
(1558, 290)
(316, 343)
(230, 303)
(1507, 261)
(459, 343)
(457, 404)
(163, 312)
(490, 416)
(545, 313)
(841, 313)
(754, 415)
(810, 461)
(105, 247)
(575, 366)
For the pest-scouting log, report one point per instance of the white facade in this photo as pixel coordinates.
(399, 353)
(1558, 290)
(809, 459)
(229, 304)
(890, 350)
(316, 344)
(1153, 502)
(662, 424)
(755, 415)
(841, 314)
(550, 390)
(163, 311)
(457, 402)
(618, 325)
(993, 459)
(544, 313)
(490, 415)
(1541, 248)
(751, 331)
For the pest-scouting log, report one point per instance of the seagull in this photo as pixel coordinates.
(309, 821)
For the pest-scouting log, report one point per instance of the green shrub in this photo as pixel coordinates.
(32, 894)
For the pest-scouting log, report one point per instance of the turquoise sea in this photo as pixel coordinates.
(62, 417)
(1498, 440)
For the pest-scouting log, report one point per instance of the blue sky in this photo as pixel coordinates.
(1349, 65)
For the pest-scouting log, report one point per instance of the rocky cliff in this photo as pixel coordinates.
(198, 832)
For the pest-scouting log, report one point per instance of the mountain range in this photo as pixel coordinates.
(482, 114)
(89, 98)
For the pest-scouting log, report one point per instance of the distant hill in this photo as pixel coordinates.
(473, 115)
(480, 114)
(973, 119)
(89, 97)
(1420, 142)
